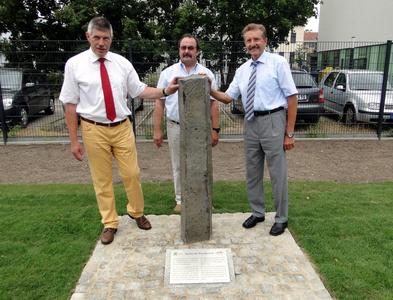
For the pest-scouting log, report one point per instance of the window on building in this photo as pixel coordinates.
(293, 37)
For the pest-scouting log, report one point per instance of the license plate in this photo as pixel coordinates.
(302, 97)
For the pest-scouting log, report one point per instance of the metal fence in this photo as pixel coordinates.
(44, 62)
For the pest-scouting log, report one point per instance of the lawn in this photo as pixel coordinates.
(49, 232)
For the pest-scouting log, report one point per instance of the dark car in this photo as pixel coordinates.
(25, 94)
(310, 104)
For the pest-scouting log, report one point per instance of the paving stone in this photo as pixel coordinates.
(265, 267)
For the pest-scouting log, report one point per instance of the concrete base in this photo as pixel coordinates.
(266, 267)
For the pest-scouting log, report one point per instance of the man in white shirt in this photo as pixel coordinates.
(96, 85)
(269, 98)
(187, 66)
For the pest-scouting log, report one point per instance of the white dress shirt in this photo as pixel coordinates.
(82, 85)
(179, 70)
(274, 82)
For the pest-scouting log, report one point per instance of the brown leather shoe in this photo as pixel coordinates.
(107, 235)
(142, 222)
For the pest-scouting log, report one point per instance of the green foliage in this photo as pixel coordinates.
(300, 56)
(14, 130)
(218, 21)
(223, 21)
(315, 131)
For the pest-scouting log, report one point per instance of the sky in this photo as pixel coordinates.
(313, 22)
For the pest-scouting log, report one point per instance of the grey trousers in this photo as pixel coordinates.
(264, 138)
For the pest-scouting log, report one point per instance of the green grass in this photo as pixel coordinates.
(347, 229)
(49, 231)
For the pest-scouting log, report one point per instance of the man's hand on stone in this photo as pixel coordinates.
(173, 86)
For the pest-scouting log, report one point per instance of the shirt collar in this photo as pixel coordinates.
(261, 59)
(93, 57)
(183, 67)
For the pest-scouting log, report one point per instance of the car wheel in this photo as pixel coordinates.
(23, 117)
(349, 116)
(50, 110)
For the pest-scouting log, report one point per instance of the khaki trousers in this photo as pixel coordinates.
(173, 132)
(102, 144)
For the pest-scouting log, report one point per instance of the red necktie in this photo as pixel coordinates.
(106, 88)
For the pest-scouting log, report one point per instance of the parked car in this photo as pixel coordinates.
(354, 95)
(310, 104)
(25, 93)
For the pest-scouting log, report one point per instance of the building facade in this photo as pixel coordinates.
(353, 34)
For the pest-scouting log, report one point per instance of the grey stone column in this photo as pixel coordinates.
(195, 159)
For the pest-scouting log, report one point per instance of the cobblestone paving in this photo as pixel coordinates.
(133, 266)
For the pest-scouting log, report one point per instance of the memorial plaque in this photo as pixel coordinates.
(184, 266)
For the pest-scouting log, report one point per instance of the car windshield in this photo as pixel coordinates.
(367, 82)
(10, 79)
(303, 80)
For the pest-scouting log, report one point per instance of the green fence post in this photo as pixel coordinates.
(384, 85)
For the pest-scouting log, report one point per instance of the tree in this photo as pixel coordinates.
(29, 20)
(300, 56)
(144, 28)
(223, 20)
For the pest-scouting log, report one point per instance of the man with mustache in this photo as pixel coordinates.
(269, 98)
(188, 65)
(96, 85)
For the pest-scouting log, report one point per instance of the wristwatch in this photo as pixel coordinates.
(216, 129)
(290, 134)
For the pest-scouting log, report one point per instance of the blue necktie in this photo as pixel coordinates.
(249, 115)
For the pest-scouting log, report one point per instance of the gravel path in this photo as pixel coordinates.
(314, 160)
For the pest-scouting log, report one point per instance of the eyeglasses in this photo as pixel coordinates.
(187, 47)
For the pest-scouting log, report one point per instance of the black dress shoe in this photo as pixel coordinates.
(252, 221)
(278, 228)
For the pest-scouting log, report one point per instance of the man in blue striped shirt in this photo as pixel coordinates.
(271, 96)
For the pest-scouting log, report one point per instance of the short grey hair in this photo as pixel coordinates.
(254, 26)
(100, 23)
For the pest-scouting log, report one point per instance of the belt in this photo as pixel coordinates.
(175, 122)
(113, 124)
(267, 112)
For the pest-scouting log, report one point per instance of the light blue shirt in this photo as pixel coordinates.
(274, 82)
(179, 70)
